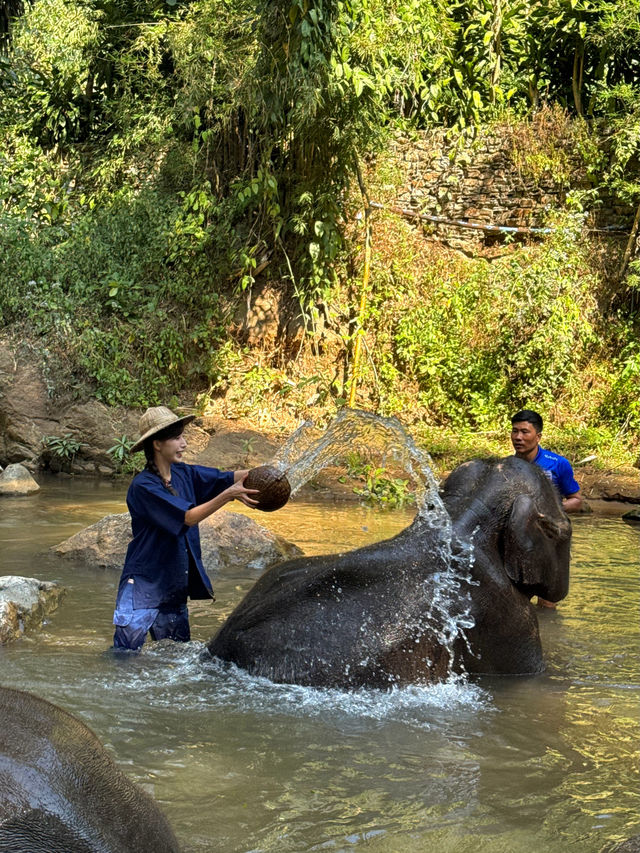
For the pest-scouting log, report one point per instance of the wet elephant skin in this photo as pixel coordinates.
(368, 617)
(60, 792)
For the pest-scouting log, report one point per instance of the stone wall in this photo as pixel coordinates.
(481, 183)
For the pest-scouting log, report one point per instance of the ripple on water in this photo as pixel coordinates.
(240, 764)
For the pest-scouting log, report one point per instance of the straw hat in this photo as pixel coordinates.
(156, 419)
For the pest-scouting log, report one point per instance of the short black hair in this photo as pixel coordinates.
(530, 416)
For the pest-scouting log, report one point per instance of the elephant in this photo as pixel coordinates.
(380, 615)
(60, 792)
(631, 845)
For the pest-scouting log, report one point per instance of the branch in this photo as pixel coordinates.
(630, 244)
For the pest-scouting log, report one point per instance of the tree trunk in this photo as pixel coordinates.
(631, 245)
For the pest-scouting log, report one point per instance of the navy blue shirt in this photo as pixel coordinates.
(164, 556)
(559, 471)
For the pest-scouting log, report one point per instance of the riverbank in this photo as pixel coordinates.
(609, 489)
(83, 436)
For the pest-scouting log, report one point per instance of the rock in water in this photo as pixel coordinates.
(273, 486)
(228, 540)
(632, 517)
(16, 480)
(24, 604)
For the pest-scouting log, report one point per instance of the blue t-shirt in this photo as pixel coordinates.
(559, 471)
(164, 548)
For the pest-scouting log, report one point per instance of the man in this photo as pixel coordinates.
(526, 431)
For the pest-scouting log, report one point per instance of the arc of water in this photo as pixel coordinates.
(305, 454)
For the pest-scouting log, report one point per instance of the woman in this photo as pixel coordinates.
(166, 501)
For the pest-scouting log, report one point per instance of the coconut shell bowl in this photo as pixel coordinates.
(273, 487)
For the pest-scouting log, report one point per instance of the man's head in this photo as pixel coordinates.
(526, 429)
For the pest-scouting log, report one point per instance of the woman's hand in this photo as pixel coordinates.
(238, 492)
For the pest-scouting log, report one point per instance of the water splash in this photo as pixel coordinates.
(305, 454)
(446, 614)
(176, 674)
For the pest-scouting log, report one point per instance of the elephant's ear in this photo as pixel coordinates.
(519, 541)
(536, 550)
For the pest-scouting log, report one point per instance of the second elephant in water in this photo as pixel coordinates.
(60, 792)
(383, 614)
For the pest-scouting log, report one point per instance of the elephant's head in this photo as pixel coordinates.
(510, 512)
(510, 508)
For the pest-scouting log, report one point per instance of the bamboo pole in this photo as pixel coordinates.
(355, 367)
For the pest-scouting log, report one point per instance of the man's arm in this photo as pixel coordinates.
(572, 503)
(569, 487)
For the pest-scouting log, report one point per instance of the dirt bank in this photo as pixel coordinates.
(31, 416)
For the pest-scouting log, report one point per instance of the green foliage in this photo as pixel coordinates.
(63, 447)
(549, 145)
(133, 323)
(527, 53)
(621, 405)
(121, 449)
(621, 106)
(573, 438)
(579, 441)
(449, 447)
(46, 89)
(273, 104)
(479, 339)
(125, 461)
(157, 153)
(379, 488)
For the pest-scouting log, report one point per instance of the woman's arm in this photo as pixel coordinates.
(237, 491)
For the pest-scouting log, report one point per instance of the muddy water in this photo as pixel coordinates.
(244, 766)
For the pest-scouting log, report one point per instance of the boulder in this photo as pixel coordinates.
(24, 604)
(232, 539)
(633, 516)
(102, 545)
(16, 480)
(631, 845)
(229, 444)
(621, 497)
(31, 410)
(228, 539)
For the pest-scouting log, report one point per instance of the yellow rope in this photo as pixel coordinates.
(355, 368)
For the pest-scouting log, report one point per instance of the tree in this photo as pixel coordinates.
(9, 10)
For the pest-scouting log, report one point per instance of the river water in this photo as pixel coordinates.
(240, 765)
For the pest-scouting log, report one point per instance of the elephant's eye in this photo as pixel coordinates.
(548, 527)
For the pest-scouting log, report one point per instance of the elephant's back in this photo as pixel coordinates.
(327, 620)
(60, 791)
